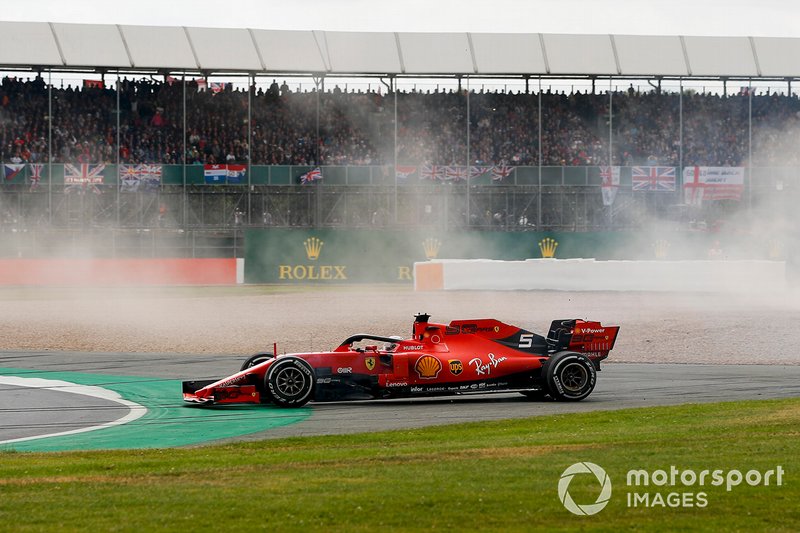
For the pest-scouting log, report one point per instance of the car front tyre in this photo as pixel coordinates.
(289, 382)
(256, 359)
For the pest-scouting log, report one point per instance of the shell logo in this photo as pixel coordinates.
(428, 367)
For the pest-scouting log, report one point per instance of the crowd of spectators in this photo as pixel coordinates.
(340, 127)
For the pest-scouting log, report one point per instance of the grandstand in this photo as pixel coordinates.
(165, 133)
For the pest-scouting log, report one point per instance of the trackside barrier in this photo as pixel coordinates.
(119, 272)
(592, 275)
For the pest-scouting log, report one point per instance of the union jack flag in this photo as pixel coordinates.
(502, 172)
(476, 171)
(311, 176)
(36, 174)
(455, 173)
(432, 172)
(653, 179)
(82, 177)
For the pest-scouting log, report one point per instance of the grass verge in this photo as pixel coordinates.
(496, 476)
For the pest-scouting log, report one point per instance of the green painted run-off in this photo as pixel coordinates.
(168, 422)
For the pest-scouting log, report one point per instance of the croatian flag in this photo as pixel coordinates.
(237, 173)
(403, 172)
(215, 174)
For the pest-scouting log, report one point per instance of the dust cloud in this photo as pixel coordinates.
(655, 327)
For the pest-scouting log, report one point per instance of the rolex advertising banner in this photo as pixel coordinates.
(373, 256)
(297, 256)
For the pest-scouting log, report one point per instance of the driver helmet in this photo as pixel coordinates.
(391, 346)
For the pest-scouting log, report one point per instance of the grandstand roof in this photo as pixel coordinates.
(217, 50)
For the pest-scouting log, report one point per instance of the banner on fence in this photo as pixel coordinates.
(83, 177)
(311, 176)
(661, 179)
(140, 178)
(702, 184)
(609, 184)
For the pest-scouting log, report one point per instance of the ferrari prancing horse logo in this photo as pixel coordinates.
(369, 362)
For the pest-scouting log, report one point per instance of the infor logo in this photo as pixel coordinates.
(586, 509)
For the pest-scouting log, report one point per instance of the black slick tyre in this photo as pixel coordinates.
(569, 376)
(289, 382)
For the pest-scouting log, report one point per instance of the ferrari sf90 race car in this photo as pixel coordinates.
(465, 356)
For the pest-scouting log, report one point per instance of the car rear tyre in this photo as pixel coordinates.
(256, 359)
(569, 376)
(289, 382)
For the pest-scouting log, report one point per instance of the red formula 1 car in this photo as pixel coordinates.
(465, 356)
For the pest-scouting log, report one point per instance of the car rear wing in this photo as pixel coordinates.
(593, 339)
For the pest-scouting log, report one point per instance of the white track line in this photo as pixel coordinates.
(135, 410)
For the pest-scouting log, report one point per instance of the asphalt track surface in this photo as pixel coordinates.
(619, 386)
(33, 411)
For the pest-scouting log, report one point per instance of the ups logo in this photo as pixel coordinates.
(456, 367)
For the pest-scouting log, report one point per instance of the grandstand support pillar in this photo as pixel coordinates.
(183, 159)
(118, 149)
(250, 90)
(467, 174)
(319, 83)
(680, 141)
(750, 144)
(50, 146)
(394, 170)
(539, 179)
(610, 144)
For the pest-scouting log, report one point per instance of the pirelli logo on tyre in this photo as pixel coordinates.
(456, 367)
